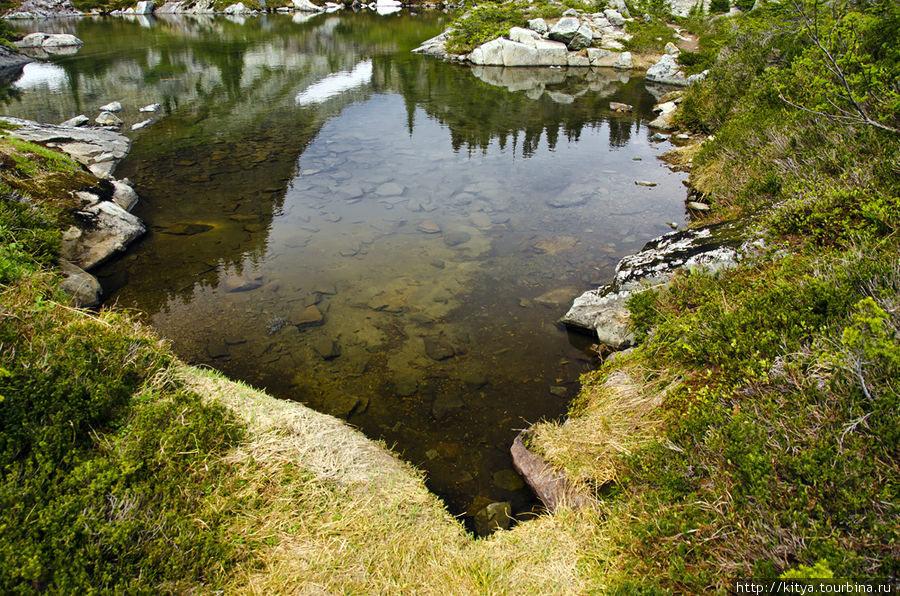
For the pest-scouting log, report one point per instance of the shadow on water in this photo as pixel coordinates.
(382, 236)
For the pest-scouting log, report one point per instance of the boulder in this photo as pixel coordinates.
(153, 107)
(108, 119)
(600, 57)
(96, 148)
(32, 40)
(666, 118)
(61, 40)
(83, 287)
(109, 231)
(583, 38)
(123, 195)
(79, 120)
(624, 61)
(602, 311)
(538, 25)
(144, 7)
(505, 52)
(565, 29)
(42, 9)
(436, 46)
(113, 106)
(307, 6)
(667, 71)
(237, 8)
(614, 17)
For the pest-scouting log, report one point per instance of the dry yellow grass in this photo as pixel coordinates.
(339, 514)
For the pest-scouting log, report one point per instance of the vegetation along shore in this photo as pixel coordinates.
(741, 424)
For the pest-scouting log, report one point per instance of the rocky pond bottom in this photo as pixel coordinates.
(376, 234)
(411, 290)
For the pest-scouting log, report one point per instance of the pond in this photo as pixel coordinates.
(374, 233)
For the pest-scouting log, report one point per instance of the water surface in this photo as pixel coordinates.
(377, 234)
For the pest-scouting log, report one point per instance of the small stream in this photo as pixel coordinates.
(376, 234)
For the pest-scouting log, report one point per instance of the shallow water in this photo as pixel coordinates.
(377, 234)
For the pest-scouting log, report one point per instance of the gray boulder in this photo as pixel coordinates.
(538, 25)
(32, 40)
(123, 195)
(614, 17)
(603, 312)
(83, 287)
(61, 40)
(307, 6)
(96, 148)
(144, 7)
(79, 120)
(667, 71)
(42, 9)
(624, 61)
(108, 119)
(436, 46)
(111, 229)
(112, 106)
(505, 52)
(564, 29)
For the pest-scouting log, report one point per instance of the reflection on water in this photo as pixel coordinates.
(379, 235)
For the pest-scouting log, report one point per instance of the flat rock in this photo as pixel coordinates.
(79, 120)
(437, 349)
(326, 347)
(309, 316)
(110, 230)
(113, 106)
(445, 405)
(429, 227)
(456, 238)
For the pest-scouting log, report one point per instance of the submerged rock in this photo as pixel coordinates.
(445, 405)
(493, 517)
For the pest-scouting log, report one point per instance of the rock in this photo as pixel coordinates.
(697, 77)
(578, 60)
(445, 405)
(550, 486)
(505, 52)
(456, 238)
(32, 40)
(88, 146)
(153, 107)
(614, 17)
(526, 36)
(389, 189)
(326, 347)
(672, 49)
(624, 61)
(556, 298)
(309, 316)
(240, 284)
(436, 46)
(342, 405)
(110, 229)
(620, 107)
(667, 71)
(697, 206)
(644, 183)
(144, 7)
(83, 287)
(437, 349)
(61, 40)
(603, 312)
(111, 107)
(600, 57)
(495, 516)
(141, 124)
(429, 227)
(565, 200)
(555, 244)
(508, 480)
(538, 25)
(275, 324)
(79, 120)
(558, 391)
(123, 195)
(216, 348)
(564, 29)
(666, 118)
(307, 6)
(108, 119)
(657, 137)
(186, 229)
(11, 63)
(237, 8)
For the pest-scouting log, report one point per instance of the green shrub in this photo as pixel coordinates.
(484, 23)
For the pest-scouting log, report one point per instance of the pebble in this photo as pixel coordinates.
(429, 227)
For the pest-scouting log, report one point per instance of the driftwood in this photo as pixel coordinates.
(551, 486)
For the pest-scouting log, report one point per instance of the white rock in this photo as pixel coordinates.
(141, 124)
(32, 40)
(123, 195)
(144, 7)
(61, 40)
(538, 25)
(307, 6)
(153, 107)
(111, 107)
(624, 61)
(108, 119)
(79, 120)
(112, 230)
(614, 17)
(667, 71)
(504, 52)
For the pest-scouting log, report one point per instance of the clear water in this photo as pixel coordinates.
(374, 233)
